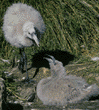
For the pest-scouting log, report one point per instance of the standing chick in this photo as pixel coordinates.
(23, 26)
(61, 89)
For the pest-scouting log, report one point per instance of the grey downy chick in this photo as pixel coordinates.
(61, 89)
(23, 26)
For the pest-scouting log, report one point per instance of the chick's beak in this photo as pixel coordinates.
(36, 40)
(33, 36)
(48, 59)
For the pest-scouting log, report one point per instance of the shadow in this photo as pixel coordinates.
(94, 98)
(38, 60)
(11, 106)
(37, 70)
(63, 56)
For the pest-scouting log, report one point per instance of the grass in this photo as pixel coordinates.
(71, 26)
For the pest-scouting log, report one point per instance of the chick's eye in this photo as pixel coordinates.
(29, 33)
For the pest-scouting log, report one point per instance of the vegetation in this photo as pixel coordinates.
(71, 26)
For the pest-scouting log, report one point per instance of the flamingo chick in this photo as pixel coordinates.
(23, 27)
(61, 89)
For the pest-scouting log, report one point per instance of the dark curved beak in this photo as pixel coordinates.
(50, 60)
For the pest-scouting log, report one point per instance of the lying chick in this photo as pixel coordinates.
(61, 89)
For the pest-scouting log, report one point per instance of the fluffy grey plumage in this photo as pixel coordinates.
(20, 19)
(23, 26)
(61, 89)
